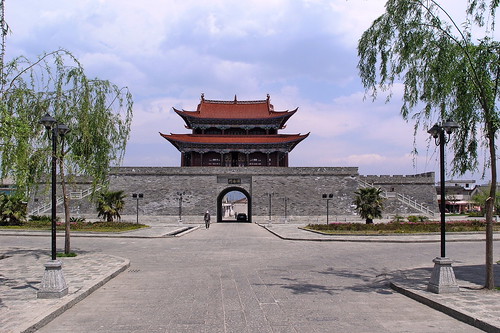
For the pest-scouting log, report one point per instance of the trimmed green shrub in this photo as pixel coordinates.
(476, 214)
(398, 218)
(405, 227)
(413, 218)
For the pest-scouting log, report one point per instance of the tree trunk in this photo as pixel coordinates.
(67, 226)
(5, 30)
(369, 221)
(490, 204)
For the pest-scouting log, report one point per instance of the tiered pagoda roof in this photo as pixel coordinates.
(234, 133)
(255, 113)
(181, 141)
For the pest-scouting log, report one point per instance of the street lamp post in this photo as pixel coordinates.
(53, 282)
(327, 197)
(442, 278)
(285, 200)
(270, 195)
(137, 197)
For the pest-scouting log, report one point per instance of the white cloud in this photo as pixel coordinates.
(354, 17)
(303, 53)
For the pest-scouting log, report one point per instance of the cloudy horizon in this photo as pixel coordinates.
(302, 53)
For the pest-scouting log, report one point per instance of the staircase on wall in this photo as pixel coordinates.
(401, 198)
(76, 195)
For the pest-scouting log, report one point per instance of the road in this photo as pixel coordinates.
(240, 278)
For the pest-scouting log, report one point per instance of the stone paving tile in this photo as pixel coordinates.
(472, 302)
(21, 271)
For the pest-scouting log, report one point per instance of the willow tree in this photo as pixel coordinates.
(97, 112)
(448, 71)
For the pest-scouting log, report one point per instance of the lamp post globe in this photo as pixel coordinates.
(48, 121)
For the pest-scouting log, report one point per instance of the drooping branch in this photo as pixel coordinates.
(32, 65)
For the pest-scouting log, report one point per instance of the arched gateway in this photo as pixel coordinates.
(221, 196)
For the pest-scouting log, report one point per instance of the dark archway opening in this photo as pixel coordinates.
(234, 204)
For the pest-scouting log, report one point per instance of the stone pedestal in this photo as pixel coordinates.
(442, 277)
(53, 284)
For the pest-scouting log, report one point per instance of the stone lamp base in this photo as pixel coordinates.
(53, 284)
(442, 277)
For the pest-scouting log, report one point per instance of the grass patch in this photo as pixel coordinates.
(66, 255)
(77, 226)
(401, 227)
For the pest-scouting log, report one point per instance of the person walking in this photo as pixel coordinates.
(206, 217)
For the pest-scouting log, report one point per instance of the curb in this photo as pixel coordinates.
(181, 231)
(123, 234)
(32, 327)
(454, 313)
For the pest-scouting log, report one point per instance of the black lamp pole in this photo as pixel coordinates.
(137, 197)
(442, 193)
(54, 189)
(270, 205)
(285, 199)
(438, 133)
(54, 130)
(328, 197)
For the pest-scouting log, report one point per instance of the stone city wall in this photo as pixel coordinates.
(419, 187)
(201, 188)
(271, 191)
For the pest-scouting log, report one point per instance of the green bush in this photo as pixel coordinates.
(13, 210)
(413, 218)
(398, 218)
(40, 218)
(405, 227)
(476, 214)
(417, 218)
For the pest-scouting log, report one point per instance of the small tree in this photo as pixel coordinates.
(482, 196)
(12, 210)
(109, 204)
(369, 203)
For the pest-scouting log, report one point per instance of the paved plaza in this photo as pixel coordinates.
(244, 278)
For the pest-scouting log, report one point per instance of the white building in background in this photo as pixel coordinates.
(227, 208)
(458, 195)
(240, 206)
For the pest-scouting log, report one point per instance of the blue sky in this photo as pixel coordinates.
(301, 52)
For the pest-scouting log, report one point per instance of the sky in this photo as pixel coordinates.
(300, 52)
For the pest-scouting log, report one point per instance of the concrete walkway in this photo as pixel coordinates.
(473, 304)
(21, 270)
